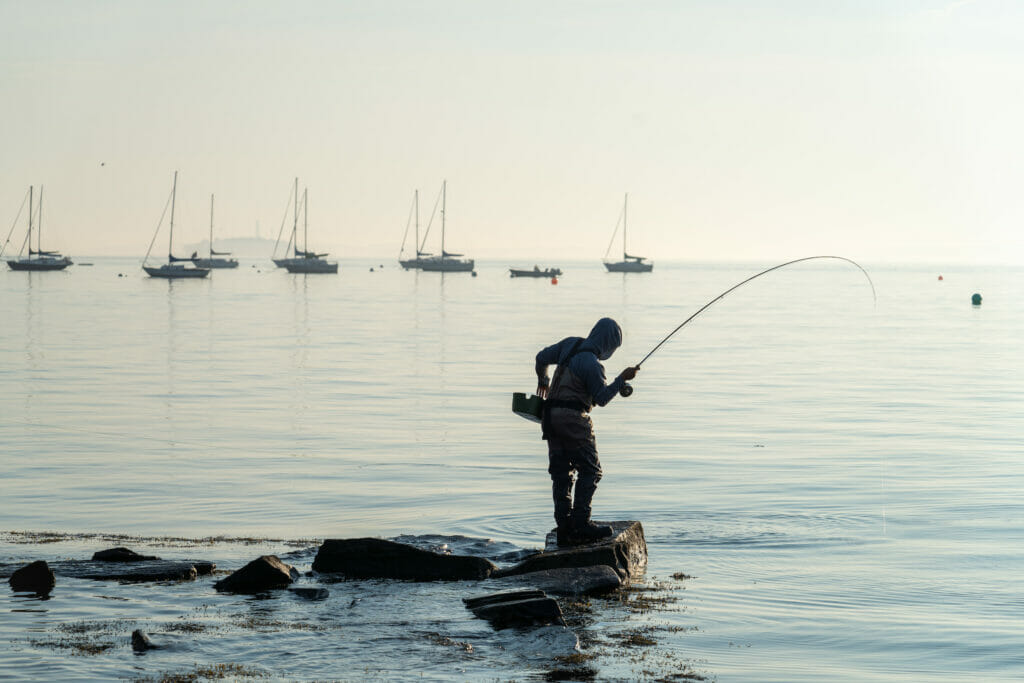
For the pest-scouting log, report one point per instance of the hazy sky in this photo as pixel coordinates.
(743, 130)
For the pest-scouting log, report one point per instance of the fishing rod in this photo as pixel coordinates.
(627, 390)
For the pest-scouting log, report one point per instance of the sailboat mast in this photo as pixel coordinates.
(295, 225)
(625, 208)
(416, 201)
(39, 228)
(211, 226)
(444, 196)
(174, 194)
(305, 222)
(30, 205)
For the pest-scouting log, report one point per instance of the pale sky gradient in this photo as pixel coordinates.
(743, 130)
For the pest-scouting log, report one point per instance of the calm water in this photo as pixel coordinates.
(843, 480)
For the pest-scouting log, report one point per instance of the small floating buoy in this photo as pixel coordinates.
(474, 273)
(940, 278)
(554, 280)
(976, 299)
(371, 269)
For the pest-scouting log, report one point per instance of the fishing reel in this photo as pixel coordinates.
(626, 390)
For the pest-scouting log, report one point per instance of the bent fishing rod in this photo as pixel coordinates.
(627, 390)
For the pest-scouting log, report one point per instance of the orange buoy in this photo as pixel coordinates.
(940, 278)
(554, 280)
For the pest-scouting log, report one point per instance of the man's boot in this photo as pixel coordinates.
(585, 531)
(561, 491)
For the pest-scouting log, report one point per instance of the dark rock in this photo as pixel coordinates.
(131, 572)
(518, 608)
(262, 574)
(36, 577)
(310, 593)
(141, 642)
(625, 552)
(121, 555)
(369, 558)
(572, 581)
(493, 598)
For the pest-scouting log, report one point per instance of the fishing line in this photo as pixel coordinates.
(627, 390)
(754, 277)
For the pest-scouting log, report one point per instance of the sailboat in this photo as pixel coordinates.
(628, 264)
(38, 259)
(446, 262)
(214, 261)
(175, 267)
(417, 261)
(284, 260)
(306, 261)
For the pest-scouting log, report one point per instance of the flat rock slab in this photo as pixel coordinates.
(571, 581)
(516, 608)
(625, 552)
(376, 558)
(134, 572)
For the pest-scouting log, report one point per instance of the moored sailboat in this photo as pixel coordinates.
(306, 261)
(416, 261)
(447, 262)
(38, 259)
(175, 268)
(628, 264)
(215, 260)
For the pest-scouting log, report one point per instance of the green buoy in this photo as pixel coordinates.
(976, 299)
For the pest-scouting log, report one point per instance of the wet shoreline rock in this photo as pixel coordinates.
(569, 581)
(120, 555)
(135, 571)
(625, 552)
(36, 577)
(266, 572)
(516, 609)
(376, 558)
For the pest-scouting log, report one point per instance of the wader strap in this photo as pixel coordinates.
(545, 420)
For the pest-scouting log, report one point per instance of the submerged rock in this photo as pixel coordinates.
(121, 555)
(141, 641)
(310, 593)
(517, 608)
(375, 558)
(262, 574)
(625, 552)
(36, 577)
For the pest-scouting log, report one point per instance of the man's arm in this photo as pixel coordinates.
(549, 355)
(593, 376)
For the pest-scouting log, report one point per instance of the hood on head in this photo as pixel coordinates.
(604, 338)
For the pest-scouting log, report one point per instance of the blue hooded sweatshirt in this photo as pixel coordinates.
(600, 344)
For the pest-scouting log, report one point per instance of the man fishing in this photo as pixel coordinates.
(578, 385)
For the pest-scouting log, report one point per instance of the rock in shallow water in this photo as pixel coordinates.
(36, 577)
(141, 641)
(570, 581)
(625, 552)
(120, 555)
(262, 574)
(517, 608)
(376, 558)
